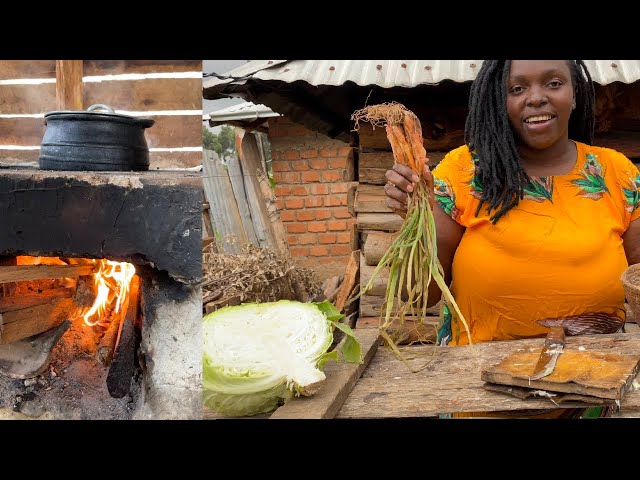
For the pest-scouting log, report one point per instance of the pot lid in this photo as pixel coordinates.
(99, 111)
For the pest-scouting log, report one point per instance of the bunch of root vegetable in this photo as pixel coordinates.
(412, 258)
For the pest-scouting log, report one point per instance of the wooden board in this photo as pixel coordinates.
(452, 381)
(388, 222)
(148, 94)
(19, 273)
(341, 377)
(600, 374)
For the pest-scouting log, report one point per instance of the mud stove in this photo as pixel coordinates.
(100, 303)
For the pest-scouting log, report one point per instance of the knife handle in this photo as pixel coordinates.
(555, 335)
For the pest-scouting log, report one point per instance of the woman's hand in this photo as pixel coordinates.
(401, 180)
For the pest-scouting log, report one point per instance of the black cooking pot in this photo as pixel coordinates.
(95, 139)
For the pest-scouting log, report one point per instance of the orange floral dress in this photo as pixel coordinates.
(557, 256)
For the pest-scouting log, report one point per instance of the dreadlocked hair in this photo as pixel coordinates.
(487, 131)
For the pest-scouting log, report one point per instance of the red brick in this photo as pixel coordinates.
(340, 249)
(328, 152)
(319, 251)
(287, 216)
(310, 153)
(313, 201)
(344, 151)
(308, 239)
(288, 177)
(282, 190)
(341, 212)
(291, 155)
(296, 227)
(310, 176)
(338, 163)
(319, 189)
(281, 166)
(280, 203)
(300, 165)
(323, 214)
(332, 176)
(305, 215)
(335, 200)
(300, 190)
(298, 131)
(292, 239)
(337, 225)
(317, 227)
(318, 163)
(343, 237)
(342, 187)
(293, 203)
(276, 156)
(299, 251)
(325, 238)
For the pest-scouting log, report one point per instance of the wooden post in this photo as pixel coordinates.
(69, 84)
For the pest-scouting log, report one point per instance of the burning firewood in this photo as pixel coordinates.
(107, 344)
(18, 324)
(123, 363)
(18, 273)
(85, 293)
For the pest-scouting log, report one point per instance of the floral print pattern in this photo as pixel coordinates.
(632, 194)
(592, 184)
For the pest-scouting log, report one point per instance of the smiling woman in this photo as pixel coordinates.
(535, 225)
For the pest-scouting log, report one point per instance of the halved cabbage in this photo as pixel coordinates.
(257, 356)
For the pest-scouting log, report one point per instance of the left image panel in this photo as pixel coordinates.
(101, 239)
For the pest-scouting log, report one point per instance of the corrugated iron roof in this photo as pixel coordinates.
(396, 73)
(241, 111)
(323, 94)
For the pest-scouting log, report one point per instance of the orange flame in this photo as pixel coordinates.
(112, 282)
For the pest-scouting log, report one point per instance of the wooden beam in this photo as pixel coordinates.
(351, 278)
(69, 84)
(21, 273)
(21, 301)
(24, 323)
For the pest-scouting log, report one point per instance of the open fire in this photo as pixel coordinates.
(57, 313)
(111, 284)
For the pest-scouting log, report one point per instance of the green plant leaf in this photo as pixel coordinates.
(325, 357)
(330, 310)
(351, 350)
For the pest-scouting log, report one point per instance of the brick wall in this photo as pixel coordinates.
(313, 174)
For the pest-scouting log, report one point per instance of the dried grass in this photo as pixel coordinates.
(257, 275)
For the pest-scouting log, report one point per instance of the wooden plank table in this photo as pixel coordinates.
(451, 382)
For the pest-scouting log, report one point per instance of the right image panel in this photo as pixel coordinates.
(371, 228)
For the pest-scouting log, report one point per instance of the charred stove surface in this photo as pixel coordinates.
(151, 218)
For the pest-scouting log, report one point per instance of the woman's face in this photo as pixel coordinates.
(540, 99)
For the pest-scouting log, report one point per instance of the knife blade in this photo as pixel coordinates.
(553, 347)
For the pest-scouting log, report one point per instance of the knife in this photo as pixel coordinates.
(553, 347)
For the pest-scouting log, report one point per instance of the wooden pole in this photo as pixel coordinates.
(69, 84)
